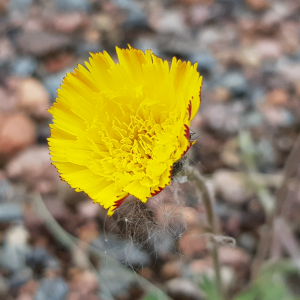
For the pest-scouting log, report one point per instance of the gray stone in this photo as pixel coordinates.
(40, 43)
(21, 6)
(205, 61)
(19, 278)
(39, 259)
(6, 190)
(52, 289)
(10, 212)
(183, 289)
(15, 249)
(224, 117)
(24, 66)
(53, 82)
(236, 83)
(73, 5)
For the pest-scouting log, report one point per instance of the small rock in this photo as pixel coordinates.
(73, 5)
(22, 6)
(52, 289)
(27, 291)
(43, 132)
(268, 49)
(17, 132)
(222, 94)
(201, 266)
(265, 155)
(84, 283)
(231, 187)
(10, 212)
(193, 244)
(3, 286)
(33, 165)
(88, 209)
(223, 117)
(40, 259)
(277, 97)
(199, 14)
(278, 116)
(236, 83)
(205, 61)
(147, 42)
(15, 249)
(59, 61)
(37, 103)
(86, 47)
(53, 82)
(182, 289)
(39, 44)
(24, 66)
(258, 5)
(69, 22)
(236, 258)
(135, 17)
(171, 21)
(230, 154)
(172, 269)
(7, 51)
(19, 278)
(248, 241)
(6, 189)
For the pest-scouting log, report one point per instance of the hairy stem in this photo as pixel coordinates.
(208, 202)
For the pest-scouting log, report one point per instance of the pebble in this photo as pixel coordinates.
(33, 166)
(17, 132)
(24, 66)
(265, 155)
(6, 189)
(278, 116)
(205, 61)
(21, 6)
(233, 256)
(83, 283)
(231, 187)
(34, 104)
(52, 289)
(172, 269)
(277, 97)
(193, 244)
(15, 249)
(236, 83)
(268, 49)
(10, 212)
(223, 117)
(183, 289)
(258, 5)
(40, 259)
(19, 278)
(41, 43)
(72, 5)
(53, 82)
(68, 23)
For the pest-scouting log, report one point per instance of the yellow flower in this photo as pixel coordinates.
(119, 128)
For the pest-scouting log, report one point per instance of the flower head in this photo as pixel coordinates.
(119, 128)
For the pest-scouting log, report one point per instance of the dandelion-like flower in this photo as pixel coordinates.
(119, 128)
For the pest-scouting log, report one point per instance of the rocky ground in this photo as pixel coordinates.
(249, 56)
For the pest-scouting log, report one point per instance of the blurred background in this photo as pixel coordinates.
(248, 149)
